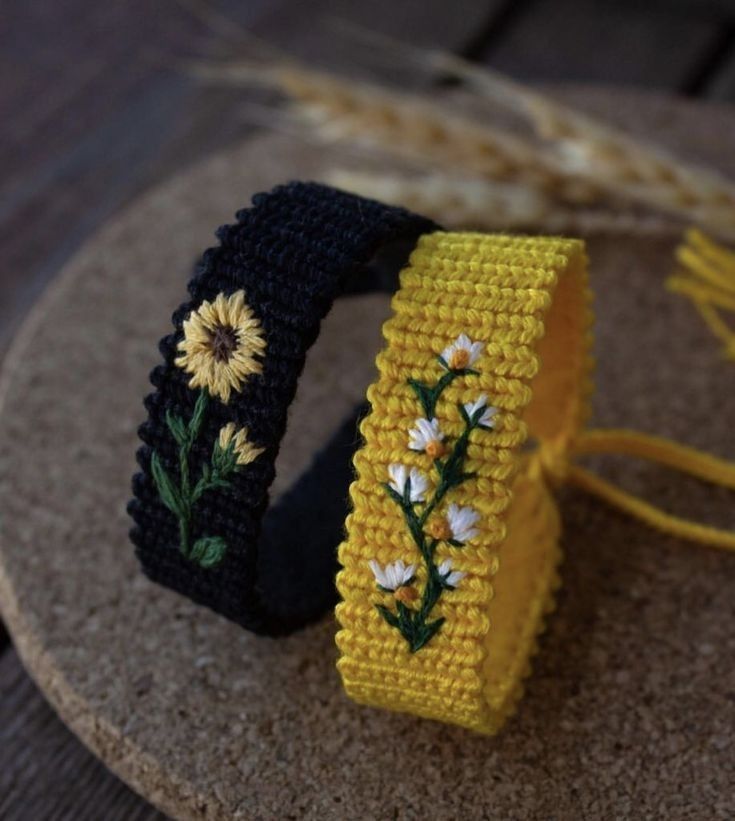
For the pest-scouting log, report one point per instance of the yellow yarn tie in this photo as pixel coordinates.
(445, 585)
(707, 277)
(665, 452)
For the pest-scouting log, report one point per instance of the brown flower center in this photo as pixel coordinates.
(224, 342)
(439, 529)
(406, 594)
(460, 359)
(435, 449)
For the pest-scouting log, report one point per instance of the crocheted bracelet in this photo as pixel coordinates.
(218, 412)
(450, 560)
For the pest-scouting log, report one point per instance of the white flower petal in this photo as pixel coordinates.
(380, 576)
(408, 574)
(398, 475)
(471, 408)
(399, 572)
(462, 343)
(393, 575)
(487, 419)
(461, 522)
(424, 433)
(446, 354)
(419, 485)
(475, 351)
(453, 579)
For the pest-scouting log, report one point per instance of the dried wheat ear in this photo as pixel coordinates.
(570, 159)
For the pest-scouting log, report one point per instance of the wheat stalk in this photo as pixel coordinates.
(459, 203)
(577, 161)
(585, 148)
(580, 146)
(405, 126)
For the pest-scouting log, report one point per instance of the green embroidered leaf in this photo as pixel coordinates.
(168, 492)
(463, 477)
(208, 551)
(414, 525)
(210, 482)
(391, 618)
(217, 455)
(195, 423)
(412, 623)
(425, 396)
(425, 633)
(397, 498)
(446, 380)
(224, 460)
(407, 494)
(177, 427)
(475, 420)
(405, 620)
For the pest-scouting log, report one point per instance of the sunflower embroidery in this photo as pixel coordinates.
(219, 349)
(411, 490)
(221, 342)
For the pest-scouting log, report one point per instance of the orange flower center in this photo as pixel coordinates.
(460, 359)
(435, 449)
(439, 529)
(406, 594)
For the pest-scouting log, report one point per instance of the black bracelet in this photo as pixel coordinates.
(218, 412)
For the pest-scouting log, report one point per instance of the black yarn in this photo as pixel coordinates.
(297, 249)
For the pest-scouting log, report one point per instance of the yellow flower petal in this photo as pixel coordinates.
(244, 450)
(196, 352)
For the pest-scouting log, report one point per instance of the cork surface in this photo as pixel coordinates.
(631, 704)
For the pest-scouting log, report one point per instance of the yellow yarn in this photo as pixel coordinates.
(528, 301)
(707, 277)
(498, 290)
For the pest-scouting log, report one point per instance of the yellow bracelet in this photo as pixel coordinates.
(450, 560)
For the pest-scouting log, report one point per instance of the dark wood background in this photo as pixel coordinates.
(95, 108)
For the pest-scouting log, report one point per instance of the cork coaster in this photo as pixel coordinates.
(630, 707)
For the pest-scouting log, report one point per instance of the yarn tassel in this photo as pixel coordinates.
(707, 277)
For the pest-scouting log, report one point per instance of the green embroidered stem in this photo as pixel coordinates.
(428, 396)
(207, 551)
(414, 625)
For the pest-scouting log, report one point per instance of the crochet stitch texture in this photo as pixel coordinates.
(297, 249)
(497, 291)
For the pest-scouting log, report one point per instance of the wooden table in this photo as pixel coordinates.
(96, 109)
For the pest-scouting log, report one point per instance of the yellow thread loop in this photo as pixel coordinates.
(662, 451)
(550, 461)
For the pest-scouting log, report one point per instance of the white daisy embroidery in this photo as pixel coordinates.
(462, 521)
(451, 578)
(394, 575)
(480, 413)
(426, 436)
(400, 476)
(461, 354)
